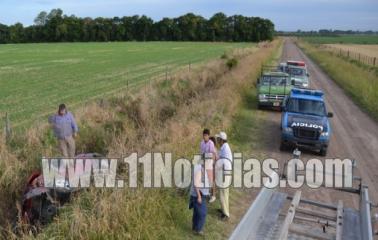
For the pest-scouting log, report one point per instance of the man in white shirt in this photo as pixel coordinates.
(223, 167)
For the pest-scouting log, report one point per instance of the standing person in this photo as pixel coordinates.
(198, 193)
(208, 153)
(65, 130)
(213, 187)
(224, 163)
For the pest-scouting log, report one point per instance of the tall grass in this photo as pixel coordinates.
(359, 81)
(163, 116)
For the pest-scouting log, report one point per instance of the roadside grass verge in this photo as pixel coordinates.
(166, 116)
(358, 81)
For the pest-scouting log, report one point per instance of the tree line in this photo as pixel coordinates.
(57, 27)
(326, 33)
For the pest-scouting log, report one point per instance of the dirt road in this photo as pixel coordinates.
(355, 134)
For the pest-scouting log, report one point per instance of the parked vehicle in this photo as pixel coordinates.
(272, 87)
(305, 121)
(297, 71)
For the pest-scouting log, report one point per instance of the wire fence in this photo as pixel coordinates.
(362, 58)
(6, 128)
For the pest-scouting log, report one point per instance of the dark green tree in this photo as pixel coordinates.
(57, 27)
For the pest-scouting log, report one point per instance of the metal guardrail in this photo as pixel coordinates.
(255, 212)
(365, 215)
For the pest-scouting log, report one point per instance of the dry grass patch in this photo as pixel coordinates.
(367, 50)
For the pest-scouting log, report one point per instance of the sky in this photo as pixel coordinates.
(287, 15)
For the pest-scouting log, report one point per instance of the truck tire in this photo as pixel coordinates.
(283, 146)
(323, 151)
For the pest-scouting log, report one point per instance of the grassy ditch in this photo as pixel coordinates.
(163, 116)
(359, 81)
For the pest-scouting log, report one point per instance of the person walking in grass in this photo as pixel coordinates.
(65, 130)
(223, 165)
(209, 154)
(199, 192)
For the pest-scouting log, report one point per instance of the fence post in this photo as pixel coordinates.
(359, 57)
(7, 128)
(190, 66)
(348, 53)
(374, 61)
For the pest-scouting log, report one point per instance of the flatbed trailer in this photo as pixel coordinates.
(269, 217)
(282, 215)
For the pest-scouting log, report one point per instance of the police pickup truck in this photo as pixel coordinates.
(304, 121)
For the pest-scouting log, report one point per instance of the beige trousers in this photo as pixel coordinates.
(67, 146)
(223, 197)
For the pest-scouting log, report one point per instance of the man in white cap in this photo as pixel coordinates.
(223, 167)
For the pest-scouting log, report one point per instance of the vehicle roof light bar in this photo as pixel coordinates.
(307, 92)
(296, 63)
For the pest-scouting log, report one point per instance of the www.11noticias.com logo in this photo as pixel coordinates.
(159, 170)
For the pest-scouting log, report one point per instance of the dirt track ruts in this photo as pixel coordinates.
(355, 134)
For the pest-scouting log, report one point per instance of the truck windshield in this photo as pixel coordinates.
(274, 81)
(306, 106)
(297, 71)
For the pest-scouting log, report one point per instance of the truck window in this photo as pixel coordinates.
(306, 106)
(275, 81)
(297, 71)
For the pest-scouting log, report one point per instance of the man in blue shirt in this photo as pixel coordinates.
(198, 193)
(65, 130)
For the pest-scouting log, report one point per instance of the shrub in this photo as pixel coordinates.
(231, 63)
(92, 139)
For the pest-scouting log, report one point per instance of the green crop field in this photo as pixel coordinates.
(350, 39)
(35, 78)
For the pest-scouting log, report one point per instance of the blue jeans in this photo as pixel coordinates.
(199, 213)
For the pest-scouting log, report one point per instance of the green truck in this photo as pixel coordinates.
(273, 86)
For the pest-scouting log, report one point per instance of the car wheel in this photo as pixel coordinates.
(48, 213)
(323, 151)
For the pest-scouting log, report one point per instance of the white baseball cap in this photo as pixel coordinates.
(222, 135)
